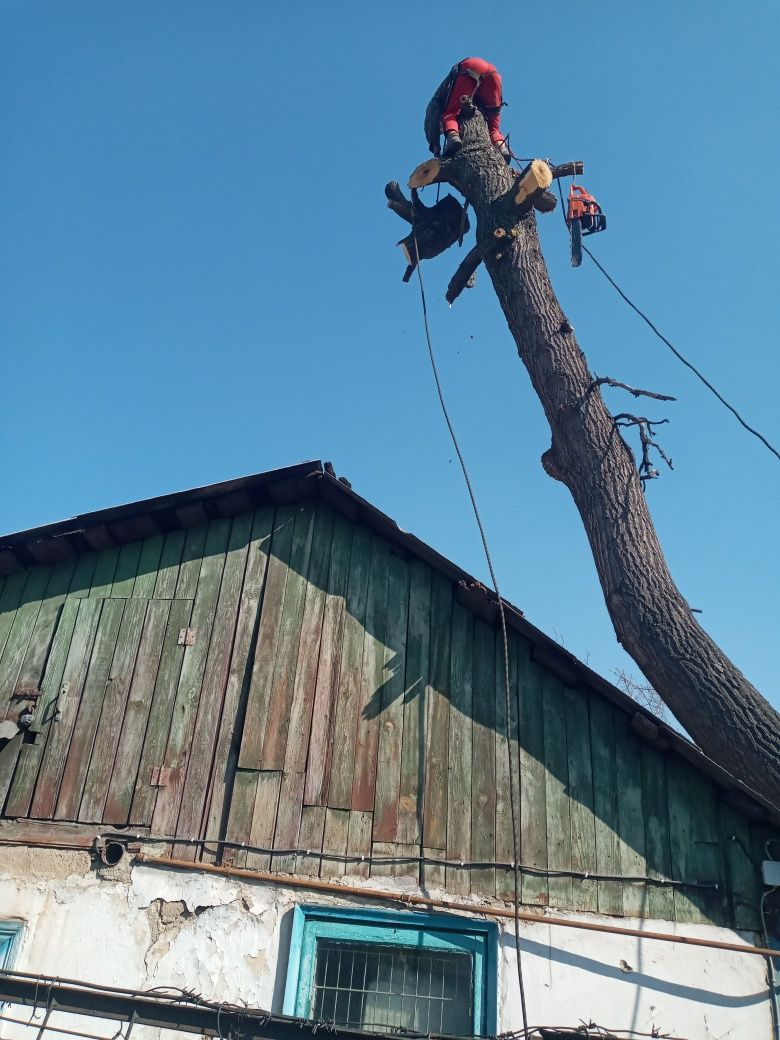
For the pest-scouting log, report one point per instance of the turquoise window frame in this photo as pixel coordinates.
(10, 933)
(386, 928)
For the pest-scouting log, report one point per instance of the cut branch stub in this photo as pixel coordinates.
(535, 177)
(426, 173)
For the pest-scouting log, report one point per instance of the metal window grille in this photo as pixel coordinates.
(392, 987)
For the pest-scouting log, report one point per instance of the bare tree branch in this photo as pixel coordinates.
(647, 470)
(607, 381)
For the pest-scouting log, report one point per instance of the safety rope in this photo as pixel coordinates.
(671, 346)
(504, 635)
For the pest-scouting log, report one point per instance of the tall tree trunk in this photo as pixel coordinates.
(716, 704)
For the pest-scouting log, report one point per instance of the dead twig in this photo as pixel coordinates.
(647, 470)
(608, 381)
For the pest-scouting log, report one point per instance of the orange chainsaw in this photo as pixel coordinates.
(583, 217)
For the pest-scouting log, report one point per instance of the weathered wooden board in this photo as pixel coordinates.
(126, 570)
(311, 640)
(19, 635)
(533, 801)
(101, 764)
(83, 574)
(388, 773)
(288, 645)
(605, 804)
(328, 664)
(250, 756)
(580, 792)
(204, 620)
(310, 838)
(411, 789)
(92, 696)
(103, 576)
(359, 842)
(30, 755)
(631, 826)
(288, 821)
(660, 900)
(159, 721)
(335, 840)
(226, 752)
(370, 696)
(350, 673)
(193, 557)
(742, 873)
(63, 707)
(483, 761)
(129, 745)
(558, 804)
(507, 755)
(438, 715)
(200, 762)
(266, 807)
(168, 567)
(148, 564)
(459, 753)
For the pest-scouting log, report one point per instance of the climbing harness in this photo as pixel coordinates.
(584, 216)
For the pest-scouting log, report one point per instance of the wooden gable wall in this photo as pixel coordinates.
(286, 680)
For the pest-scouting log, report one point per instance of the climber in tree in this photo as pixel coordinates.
(478, 80)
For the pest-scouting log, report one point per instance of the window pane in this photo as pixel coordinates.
(393, 987)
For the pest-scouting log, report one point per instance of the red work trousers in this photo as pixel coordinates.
(486, 97)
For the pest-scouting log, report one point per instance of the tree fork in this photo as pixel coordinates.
(711, 698)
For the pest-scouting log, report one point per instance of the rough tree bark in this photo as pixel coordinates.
(711, 698)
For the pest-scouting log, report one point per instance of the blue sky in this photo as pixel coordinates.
(198, 276)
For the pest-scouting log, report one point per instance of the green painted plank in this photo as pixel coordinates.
(285, 665)
(261, 681)
(583, 824)
(372, 680)
(320, 744)
(109, 726)
(742, 872)
(437, 715)
(205, 734)
(92, 697)
(696, 853)
(185, 708)
(81, 582)
(105, 569)
(432, 875)
(557, 798)
(605, 803)
(32, 666)
(168, 567)
(459, 751)
(388, 772)
(660, 900)
(126, 570)
(335, 840)
(681, 838)
(192, 560)
(64, 707)
(395, 850)
(410, 794)
(26, 772)
(631, 820)
(506, 742)
(350, 672)
(148, 563)
(264, 815)
(21, 632)
(156, 736)
(130, 743)
(483, 760)
(239, 675)
(304, 688)
(533, 774)
(239, 821)
(359, 842)
(288, 820)
(310, 838)
(11, 597)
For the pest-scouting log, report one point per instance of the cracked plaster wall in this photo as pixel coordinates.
(227, 940)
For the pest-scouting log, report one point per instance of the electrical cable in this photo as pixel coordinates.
(671, 346)
(504, 635)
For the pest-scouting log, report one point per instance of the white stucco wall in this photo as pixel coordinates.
(227, 940)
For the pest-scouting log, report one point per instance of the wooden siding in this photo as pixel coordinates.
(286, 681)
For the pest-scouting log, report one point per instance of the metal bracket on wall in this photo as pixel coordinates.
(161, 776)
(187, 637)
